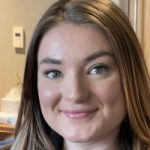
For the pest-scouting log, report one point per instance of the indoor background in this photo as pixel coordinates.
(25, 14)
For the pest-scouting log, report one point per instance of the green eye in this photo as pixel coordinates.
(53, 74)
(98, 70)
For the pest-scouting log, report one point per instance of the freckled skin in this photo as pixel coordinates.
(77, 89)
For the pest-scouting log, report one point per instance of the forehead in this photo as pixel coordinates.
(72, 40)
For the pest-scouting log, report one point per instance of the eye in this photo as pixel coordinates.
(53, 74)
(99, 69)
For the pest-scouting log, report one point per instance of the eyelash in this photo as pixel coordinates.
(98, 69)
(53, 74)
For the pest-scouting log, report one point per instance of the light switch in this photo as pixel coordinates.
(18, 37)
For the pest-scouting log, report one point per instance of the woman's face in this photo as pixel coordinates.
(79, 84)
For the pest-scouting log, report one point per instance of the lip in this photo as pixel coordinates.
(76, 114)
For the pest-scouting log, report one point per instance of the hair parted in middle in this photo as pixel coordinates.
(32, 132)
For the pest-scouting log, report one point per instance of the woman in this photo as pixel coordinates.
(86, 85)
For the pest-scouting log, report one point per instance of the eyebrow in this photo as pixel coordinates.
(48, 60)
(97, 55)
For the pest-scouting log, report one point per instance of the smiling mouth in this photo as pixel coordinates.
(77, 114)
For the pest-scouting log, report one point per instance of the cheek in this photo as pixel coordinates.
(110, 93)
(111, 100)
(49, 101)
(48, 96)
(113, 93)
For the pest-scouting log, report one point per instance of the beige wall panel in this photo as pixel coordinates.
(146, 29)
(16, 13)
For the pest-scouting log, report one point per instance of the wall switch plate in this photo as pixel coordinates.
(18, 37)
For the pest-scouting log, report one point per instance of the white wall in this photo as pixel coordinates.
(116, 1)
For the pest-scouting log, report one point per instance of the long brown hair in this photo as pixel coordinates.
(32, 132)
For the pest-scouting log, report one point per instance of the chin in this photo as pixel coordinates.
(78, 138)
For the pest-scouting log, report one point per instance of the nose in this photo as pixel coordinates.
(75, 88)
